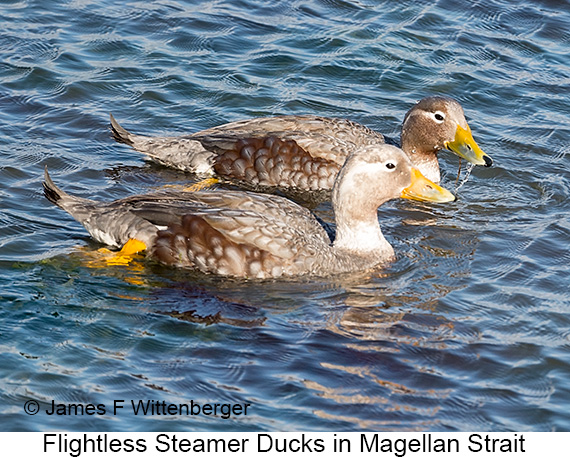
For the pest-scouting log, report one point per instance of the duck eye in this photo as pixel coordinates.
(390, 165)
(439, 116)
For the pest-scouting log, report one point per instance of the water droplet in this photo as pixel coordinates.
(468, 171)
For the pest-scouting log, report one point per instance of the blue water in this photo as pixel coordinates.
(468, 330)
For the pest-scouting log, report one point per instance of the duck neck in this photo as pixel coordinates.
(422, 159)
(357, 227)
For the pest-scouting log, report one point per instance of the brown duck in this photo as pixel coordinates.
(252, 235)
(307, 152)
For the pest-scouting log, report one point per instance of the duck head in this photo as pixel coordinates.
(436, 123)
(378, 173)
(371, 176)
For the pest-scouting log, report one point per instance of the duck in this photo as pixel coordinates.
(245, 234)
(306, 152)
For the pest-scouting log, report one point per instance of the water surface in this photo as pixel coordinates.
(467, 330)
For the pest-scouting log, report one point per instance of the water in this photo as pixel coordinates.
(459, 184)
(468, 329)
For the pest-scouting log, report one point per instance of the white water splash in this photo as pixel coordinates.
(468, 171)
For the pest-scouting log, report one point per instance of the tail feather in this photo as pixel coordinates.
(110, 223)
(184, 153)
(53, 193)
(119, 133)
(78, 207)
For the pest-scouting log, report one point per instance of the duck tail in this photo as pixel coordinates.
(184, 153)
(53, 193)
(120, 134)
(78, 208)
(112, 225)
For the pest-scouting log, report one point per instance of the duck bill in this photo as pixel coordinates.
(424, 190)
(465, 146)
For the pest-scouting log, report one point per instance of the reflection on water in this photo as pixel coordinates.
(467, 329)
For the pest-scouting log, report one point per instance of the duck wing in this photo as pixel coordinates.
(304, 152)
(232, 233)
(331, 139)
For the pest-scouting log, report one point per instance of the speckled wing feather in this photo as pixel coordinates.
(164, 207)
(330, 139)
(273, 162)
(233, 233)
(303, 152)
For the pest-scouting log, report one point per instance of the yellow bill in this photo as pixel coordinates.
(423, 189)
(465, 146)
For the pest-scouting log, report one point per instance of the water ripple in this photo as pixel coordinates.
(467, 329)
